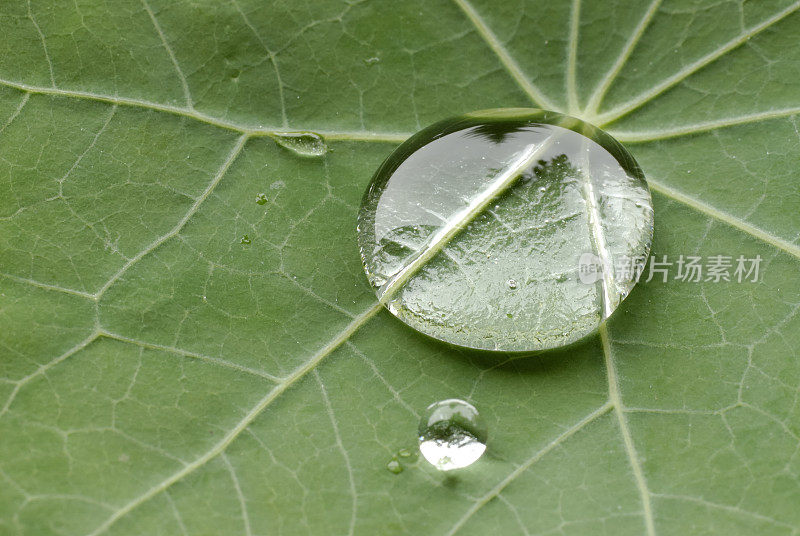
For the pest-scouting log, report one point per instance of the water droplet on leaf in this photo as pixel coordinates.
(372, 61)
(245, 239)
(261, 199)
(404, 453)
(451, 434)
(512, 284)
(394, 466)
(301, 143)
(447, 214)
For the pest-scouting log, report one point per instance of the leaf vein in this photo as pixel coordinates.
(496, 490)
(44, 44)
(345, 456)
(239, 495)
(632, 136)
(505, 58)
(184, 84)
(718, 506)
(44, 368)
(242, 425)
(717, 214)
(237, 149)
(619, 409)
(16, 111)
(597, 96)
(646, 96)
(186, 353)
(572, 57)
(252, 131)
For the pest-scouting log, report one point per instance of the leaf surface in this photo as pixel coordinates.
(161, 375)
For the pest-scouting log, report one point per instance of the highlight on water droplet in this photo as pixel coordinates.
(394, 466)
(511, 199)
(452, 434)
(404, 453)
(301, 143)
(262, 199)
(245, 239)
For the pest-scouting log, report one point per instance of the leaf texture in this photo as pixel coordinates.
(160, 376)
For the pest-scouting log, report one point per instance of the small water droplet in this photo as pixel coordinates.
(301, 143)
(394, 466)
(404, 453)
(261, 199)
(245, 239)
(277, 185)
(372, 61)
(452, 434)
(512, 284)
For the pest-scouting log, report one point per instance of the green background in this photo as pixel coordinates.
(157, 376)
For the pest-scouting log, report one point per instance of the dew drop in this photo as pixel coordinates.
(372, 61)
(301, 143)
(261, 199)
(452, 434)
(245, 239)
(394, 466)
(404, 453)
(449, 212)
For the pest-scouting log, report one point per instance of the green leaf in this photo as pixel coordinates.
(160, 375)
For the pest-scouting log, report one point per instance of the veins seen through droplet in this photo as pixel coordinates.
(471, 231)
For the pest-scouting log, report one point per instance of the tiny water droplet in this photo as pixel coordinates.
(512, 284)
(372, 61)
(394, 466)
(452, 434)
(404, 453)
(277, 185)
(261, 199)
(301, 143)
(245, 239)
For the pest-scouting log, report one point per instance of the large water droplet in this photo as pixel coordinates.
(301, 143)
(452, 434)
(467, 202)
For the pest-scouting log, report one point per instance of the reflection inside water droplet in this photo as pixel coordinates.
(452, 434)
(467, 202)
